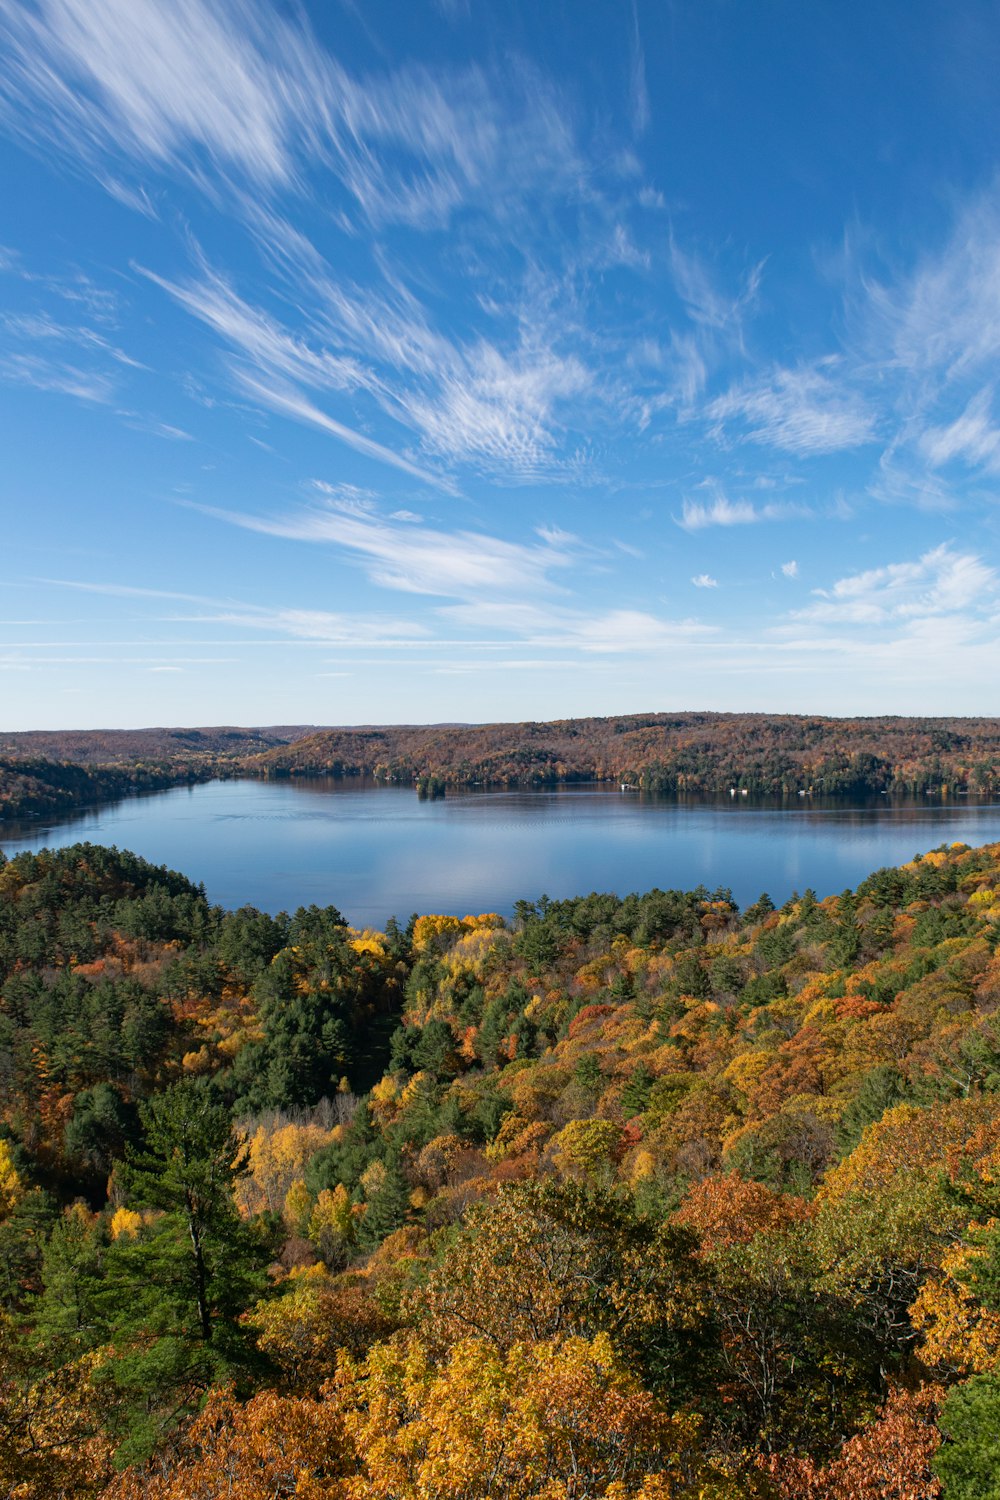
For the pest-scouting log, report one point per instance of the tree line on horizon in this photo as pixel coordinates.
(692, 754)
(639, 1198)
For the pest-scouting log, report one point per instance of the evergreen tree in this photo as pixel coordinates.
(387, 1207)
(635, 1095)
(67, 1312)
(173, 1293)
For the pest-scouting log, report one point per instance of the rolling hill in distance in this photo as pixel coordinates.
(704, 754)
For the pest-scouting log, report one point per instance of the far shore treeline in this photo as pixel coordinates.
(700, 754)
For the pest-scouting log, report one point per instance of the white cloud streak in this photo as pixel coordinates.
(318, 626)
(414, 558)
(971, 438)
(95, 387)
(704, 302)
(944, 318)
(237, 94)
(616, 632)
(469, 403)
(803, 411)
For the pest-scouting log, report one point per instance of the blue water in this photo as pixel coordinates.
(378, 851)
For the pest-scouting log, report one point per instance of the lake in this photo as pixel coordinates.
(377, 851)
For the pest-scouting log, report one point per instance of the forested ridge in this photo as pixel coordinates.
(38, 787)
(641, 1198)
(709, 753)
(127, 746)
(48, 772)
(697, 754)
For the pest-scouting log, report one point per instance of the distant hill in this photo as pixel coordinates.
(48, 772)
(109, 746)
(710, 754)
(685, 752)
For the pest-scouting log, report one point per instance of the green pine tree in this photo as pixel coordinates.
(172, 1296)
(387, 1207)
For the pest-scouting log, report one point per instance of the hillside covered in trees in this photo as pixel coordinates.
(689, 754)
(48, 772)
(641, 1198)
(766, 754)
(127, 746)
(40, 788)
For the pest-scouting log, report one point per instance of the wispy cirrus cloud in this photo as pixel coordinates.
(972, 438)
(288, 401)
(95, 387)
(924, 344)
(638, 87)
(803, 411)
(266, 343)
(471, 403)
(494, 585)
(42, 328)
(594, 632)
(623, 631)
(325, 626)
(545, 624)
(497, 409)
(944, 316)
(703, 300)
(416, 558)
(246, 102)
(231, 94)
(67, 347)
(911, 377)
(721, 511)
(150, 82)
(312, 625)
(715, 317)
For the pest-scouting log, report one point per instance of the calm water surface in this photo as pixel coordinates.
(379, 851)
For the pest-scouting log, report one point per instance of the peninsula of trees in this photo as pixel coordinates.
(687, 754)
(48, 772)
(628, 1199)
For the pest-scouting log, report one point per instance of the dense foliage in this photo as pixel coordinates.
(677, 754)
(50, 772)
(30, 787)
(121, 747)
(764, 754)
(641, 1199)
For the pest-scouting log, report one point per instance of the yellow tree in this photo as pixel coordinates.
(960, 1336)
(276, 1158)
(589, 1148)
(53, 1427)
(563, 1420)
(11, 1188)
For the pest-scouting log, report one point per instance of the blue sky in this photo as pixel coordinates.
(397, 362)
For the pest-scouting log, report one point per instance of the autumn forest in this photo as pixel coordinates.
(642, 1198)
(686, 754)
